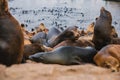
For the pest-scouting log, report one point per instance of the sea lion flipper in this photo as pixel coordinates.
(76, 60)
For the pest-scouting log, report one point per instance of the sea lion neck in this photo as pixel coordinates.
(3, 7)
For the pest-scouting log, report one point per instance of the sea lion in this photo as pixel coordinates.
(90, 28)
(40, 37)
(71, 33)
(11, 37)
(31, 49)
(79, 43)
(41, 28)
(114, 33)
(115, 41)
(66, 55)
(102, 30)
(26, 35)
(109, 56)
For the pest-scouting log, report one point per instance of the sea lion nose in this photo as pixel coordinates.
(102, 9)
(31, 58)
(36, 58)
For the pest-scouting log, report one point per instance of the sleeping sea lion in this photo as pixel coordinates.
(66, 55)
(109, 56)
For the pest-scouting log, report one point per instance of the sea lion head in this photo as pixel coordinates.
(105, 14)
(112, 63)
(48, 57)
(3, 6)
(72, 33)
(44, 57)
(38, 57)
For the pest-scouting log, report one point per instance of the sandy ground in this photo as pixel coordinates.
(39, 71)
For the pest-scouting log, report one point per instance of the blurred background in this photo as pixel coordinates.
(61, 13)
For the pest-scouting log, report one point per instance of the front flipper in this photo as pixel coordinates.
(76, 60)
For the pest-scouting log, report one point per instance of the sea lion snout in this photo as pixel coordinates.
(36, 58)
(102, 9)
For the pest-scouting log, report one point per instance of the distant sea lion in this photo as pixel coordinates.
(66, 55)
(90, 28)
(11, 37)
(114, 32)
(41, 28)
(115, 41)
(79, 43)
(31, 49)
(102, 30)
(40, 37)
(71, 33)
(109, 56)
(52, 34)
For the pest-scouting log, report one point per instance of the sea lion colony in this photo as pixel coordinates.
(97, 45)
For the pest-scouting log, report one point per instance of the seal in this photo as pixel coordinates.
(109, 57)
(11, 37)
(90, 28)
(31, 49)
(66, 55)
(102, 30)
(71, 33)
(114, 33)
(79, 43)
(52, 34)
(40, 37)
(41, 28)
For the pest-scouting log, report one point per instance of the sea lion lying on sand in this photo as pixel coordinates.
(109, 57)
(66, 55)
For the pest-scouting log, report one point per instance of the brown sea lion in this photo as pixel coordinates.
(66, 55)
(79, 43)
(90, 28)
(114, 32)
(102, 30)
(109, 57)
(41, 28)
(11, 37)
(71, 33)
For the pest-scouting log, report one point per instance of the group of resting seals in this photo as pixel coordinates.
(103, 35)
(13, 48)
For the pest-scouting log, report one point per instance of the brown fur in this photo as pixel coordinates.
(102, 30)
(11, 37)
(31, 49)
(114, 32)
(42, 28)
(90, 28)
(109, 56)
(115, 41)
(71, 33)
(27, 41)
(80, 43)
